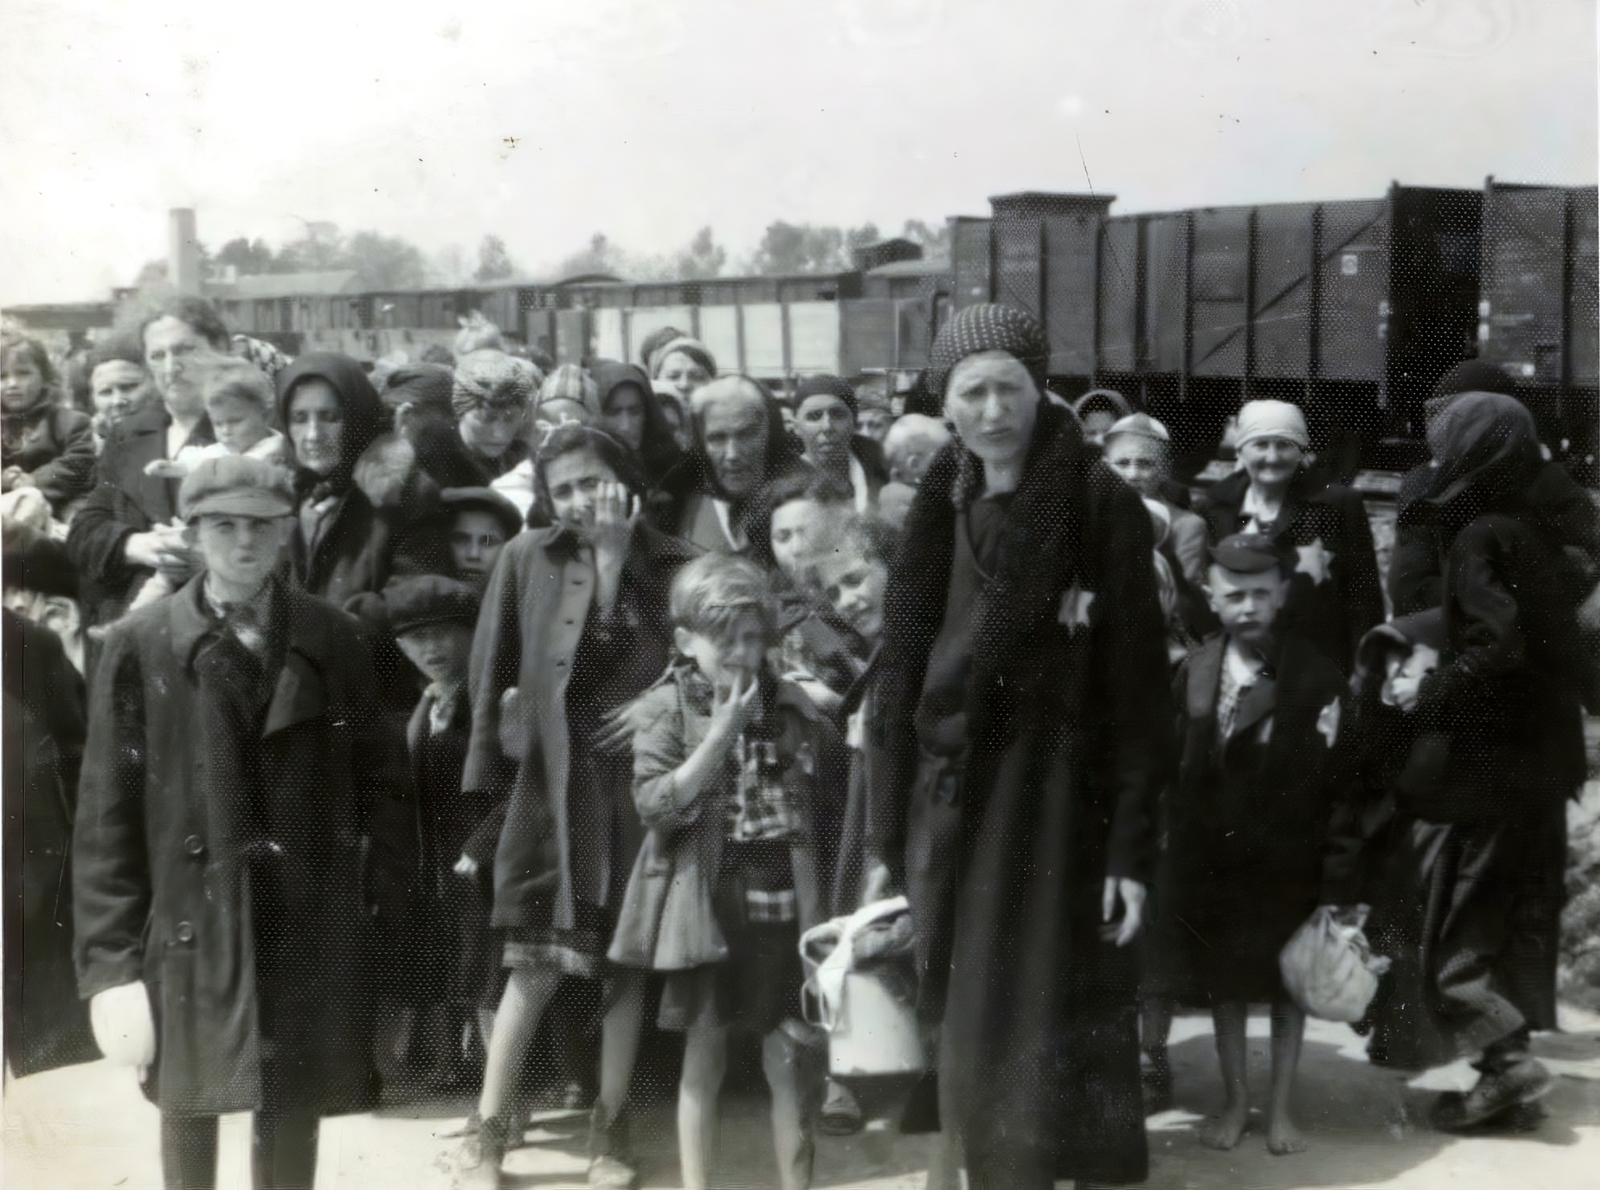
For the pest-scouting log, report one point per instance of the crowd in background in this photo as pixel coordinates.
(390, 729)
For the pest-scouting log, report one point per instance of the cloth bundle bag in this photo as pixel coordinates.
(871, 1030)
(1329, 969)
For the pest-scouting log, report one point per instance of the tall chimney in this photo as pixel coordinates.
(183, 251)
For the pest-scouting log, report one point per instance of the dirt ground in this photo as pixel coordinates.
(87, 1128)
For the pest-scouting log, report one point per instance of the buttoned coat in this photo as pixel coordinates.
(534, 612)
(161, 864)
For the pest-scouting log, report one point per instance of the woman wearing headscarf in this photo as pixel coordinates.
(342, 546)
(420, 398)
(1495, 749)
(492, 398)
(825, 414)
(631, 412)
(1333, 596)
(683, 363)
(1022, 732)
(740, 445)
(1099, 410)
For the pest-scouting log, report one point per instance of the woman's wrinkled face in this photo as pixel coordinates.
(1271, 461)
(171, 349)
(682, 372)
(118, 388)
(476, 538)
(21, 381)
(624, 415)
(316, 425)
(574, 481)
(825, 425)
(734, 430)
(1141, 461)
(488, 429)
(992, 402)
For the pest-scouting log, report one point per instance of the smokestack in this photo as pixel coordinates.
(183, 251)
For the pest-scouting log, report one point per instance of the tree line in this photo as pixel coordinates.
(391, 262)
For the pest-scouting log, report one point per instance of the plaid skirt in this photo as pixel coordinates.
(759, 984)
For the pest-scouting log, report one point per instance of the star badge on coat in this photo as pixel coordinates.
(1075, 604)
(1315, 560)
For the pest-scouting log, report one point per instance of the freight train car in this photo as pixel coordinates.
(1352, 309)
(1537, 313)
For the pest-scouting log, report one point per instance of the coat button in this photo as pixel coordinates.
(184, 932)
(195, 846)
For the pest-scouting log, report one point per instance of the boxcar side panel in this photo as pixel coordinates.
(719, 331)
(1117, 306)
(814, 336)
(1583, 310)
(1071, 248)
(1221, 281)
(1353, 284)
(1167, 296)
(1281, 317)
(969, 261)
(763, 339)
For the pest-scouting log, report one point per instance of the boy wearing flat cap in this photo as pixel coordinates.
(433, 618)
(225, 865)
(1261, 765)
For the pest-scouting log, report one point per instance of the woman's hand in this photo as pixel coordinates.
(1132, 894)
(879, 882)
(616, 513)
(15, 477)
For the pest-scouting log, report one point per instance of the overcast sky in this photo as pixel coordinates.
(647, 119)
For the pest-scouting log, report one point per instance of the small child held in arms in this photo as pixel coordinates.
(1262, 768)
(731, 765)
(239, 400)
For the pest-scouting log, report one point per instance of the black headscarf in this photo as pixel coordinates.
(659, 451)
(363, 417)
(1486, 453)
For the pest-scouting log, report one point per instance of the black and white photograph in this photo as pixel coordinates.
(839, 594)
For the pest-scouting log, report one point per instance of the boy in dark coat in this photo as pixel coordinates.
(228, 848)
(432, 619)
(1248, 820)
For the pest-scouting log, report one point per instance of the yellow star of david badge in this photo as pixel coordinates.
(1075, 604)
(1315, 560)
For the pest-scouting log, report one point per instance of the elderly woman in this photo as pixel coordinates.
(1334, 596)
(1023, 730)
(825, 413)
(342, 546)
(125, 530)
(119, 386)
(740, 445)
(492, 397)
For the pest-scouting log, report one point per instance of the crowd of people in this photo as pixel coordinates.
(471, 724)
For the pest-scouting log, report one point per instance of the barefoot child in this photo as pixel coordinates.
(1248, 820)
(729, 764)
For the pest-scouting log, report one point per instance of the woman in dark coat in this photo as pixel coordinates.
(343, 547)
(46, 1024)
(1494, 750)
(235, 776)
(630, 411)
(1023, 730)
(1334, 595)
(493, 397)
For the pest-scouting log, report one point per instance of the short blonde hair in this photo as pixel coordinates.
(710, 594)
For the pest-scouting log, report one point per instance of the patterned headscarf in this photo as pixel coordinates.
(492, 378)
(987, 327)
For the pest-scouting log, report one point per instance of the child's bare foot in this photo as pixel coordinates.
(1284, 1138)
(1223, 1132)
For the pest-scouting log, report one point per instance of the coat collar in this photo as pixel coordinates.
(299, 694)
(1305, 488)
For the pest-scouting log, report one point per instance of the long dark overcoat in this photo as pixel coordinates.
(1069, 727)
(45, 1024)
(1334, 592)
(163, 859)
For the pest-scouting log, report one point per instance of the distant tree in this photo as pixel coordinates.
(249, 257)
(384, 262)
(803, 248)
(599, 257)
(320, 249)
(494, 262)
(703, 259)
(935, 241)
